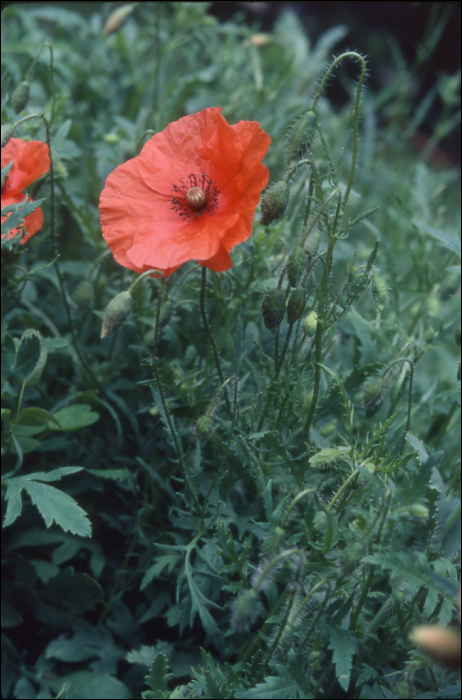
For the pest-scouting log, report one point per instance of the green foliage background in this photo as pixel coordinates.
(263, 561)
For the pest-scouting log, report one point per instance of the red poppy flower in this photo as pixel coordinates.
(31, 161)
(191, 194)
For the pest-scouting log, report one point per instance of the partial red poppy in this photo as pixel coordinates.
(31, 161)
(191, 194)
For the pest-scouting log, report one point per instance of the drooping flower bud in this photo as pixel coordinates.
(20, 96)
(373, 396)
(300, 138)
(379, 292)
(273, 308)
(312, 243)
(204, 428)
(296, 266)
(83, 294)
(116, 312)
(274, 202)
(296, 305)
(310, 322)
(246, 610)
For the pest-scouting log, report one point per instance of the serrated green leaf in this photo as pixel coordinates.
(342, 643)
(158, 676)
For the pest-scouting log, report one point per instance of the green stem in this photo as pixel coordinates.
(211, 338)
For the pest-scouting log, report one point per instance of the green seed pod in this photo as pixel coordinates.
(373, 396)
(300, 138)
(274, 202)
(273, 308)
(296, 266)
(7, 133)
(379, 292)
(204, 428)
(310, 322)
(20, 96)
(83, 294)
(419, 511)
(296, 305)
(116, 312)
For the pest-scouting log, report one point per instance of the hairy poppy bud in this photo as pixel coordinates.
(296, 266)
(296, 305)
(274, 202)
(373, 396)
(300, 138)
(310, 322)
(312, 243)
(20, 96)
(204, 428)
(7, 133)
(379, 292)
(246, 610)
(116, 312)
(83, 294)
(273, 308)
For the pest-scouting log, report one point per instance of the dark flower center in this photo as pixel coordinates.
(195, 196)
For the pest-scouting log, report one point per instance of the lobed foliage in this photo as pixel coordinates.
(207, 503)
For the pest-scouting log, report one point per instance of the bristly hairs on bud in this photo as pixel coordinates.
(373, 396)
(247, 609)
(116, 312)
(273, 308)
(296, 266)
(274, 202)
(379, 292)
(300, 138)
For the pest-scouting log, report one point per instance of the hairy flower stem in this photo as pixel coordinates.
(361, 60)
(168, 418)
(212, 339)
(322, 312)
(225, 453)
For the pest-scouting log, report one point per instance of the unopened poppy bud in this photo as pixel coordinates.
(300, 138)
(312, 243)
(296, 266)
(273, 308)
(373, 396)
(274, 202)
(419, 511)
(7, 133)
(116, 312)
(117, 19)
(83, 294)
(296, 305)
(246, 610)
(204, 428)
(379, 292)
(310, 322)
(20, 96)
